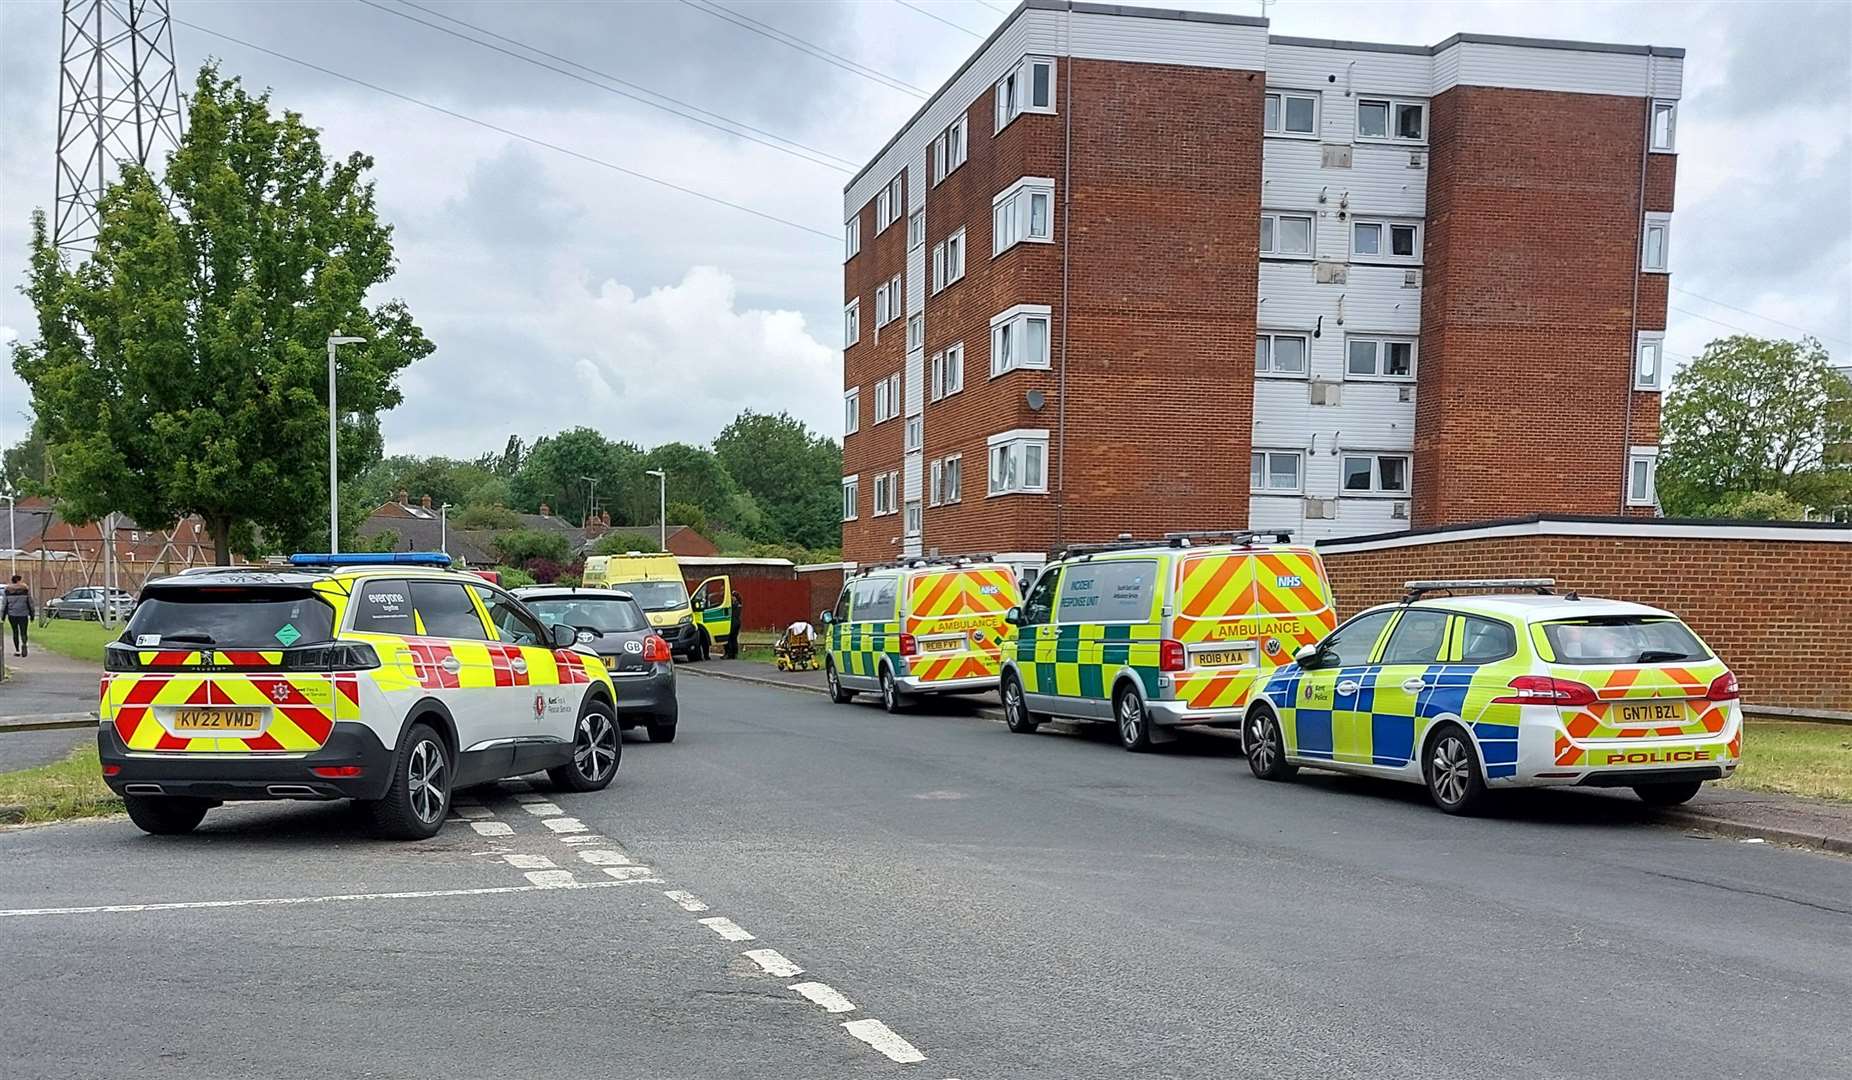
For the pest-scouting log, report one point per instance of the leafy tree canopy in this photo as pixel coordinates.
(617, 543)
(792, 474)
(519, 546)
(182, 369)
(553, 473)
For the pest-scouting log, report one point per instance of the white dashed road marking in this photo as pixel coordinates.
(726, 928)
(773, 963)
(528, 862)
(551, 879)
(882, 1038)
(492, 828)
(542, 809)
(826, 996)
(630, 873)
(285, 901)
(472, 811)
(687, 901)
(604, 857)
(564, 824)
(583, 838)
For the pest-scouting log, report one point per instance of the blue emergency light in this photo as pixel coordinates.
(371, 558)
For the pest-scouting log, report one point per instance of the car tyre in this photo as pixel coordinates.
(1451, 768)
(891, 698)
(1016, 714)
(166, 815)
(838, 693)
(419, 795)
(663, 731)
(1265, 745)
(1673, 794)
(597, 750)
(1132, 720)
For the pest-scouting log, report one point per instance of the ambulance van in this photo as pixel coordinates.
(926, 626)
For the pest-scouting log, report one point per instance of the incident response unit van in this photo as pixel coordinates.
(925, 626)
(1153, 635)
(654, 580)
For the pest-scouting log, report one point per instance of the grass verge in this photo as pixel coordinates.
(72, 788)
(1797, 758)
(75, 638)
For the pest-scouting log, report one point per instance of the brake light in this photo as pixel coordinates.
(655, 650)
(111, 770)
(336, 772)
(909, 645)
(1723, 688)
(1170, 655)
(344, 656)
(1544, 690)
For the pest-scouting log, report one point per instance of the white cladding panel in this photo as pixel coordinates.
(1379, 181)
(1668, 76)
(1147, 40)
(1519, 68)
(1311, 68)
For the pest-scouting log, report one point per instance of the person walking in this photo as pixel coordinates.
(16, 604)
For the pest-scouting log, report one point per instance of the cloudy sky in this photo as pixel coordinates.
(562, 290)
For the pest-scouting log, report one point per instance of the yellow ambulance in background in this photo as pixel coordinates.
(654, 579)
(1154, 635)
(926, 626)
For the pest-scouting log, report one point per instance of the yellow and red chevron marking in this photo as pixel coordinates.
(1615, 687)
(1224, 595)
(1217, 689)
(971, 590)
(303, 709)
(970, 665)
(571, 667)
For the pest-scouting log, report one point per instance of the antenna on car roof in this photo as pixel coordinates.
(1542, 586)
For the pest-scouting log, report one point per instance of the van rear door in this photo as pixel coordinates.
(956, 617)
(1242, 613)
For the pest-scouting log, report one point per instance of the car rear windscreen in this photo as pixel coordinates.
(230, 616)
(1623, 639)
(605, 614)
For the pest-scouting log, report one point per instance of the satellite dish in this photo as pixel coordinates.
(1036, 400)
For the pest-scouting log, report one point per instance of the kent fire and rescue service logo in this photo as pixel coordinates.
(279, 691)
(540, 706)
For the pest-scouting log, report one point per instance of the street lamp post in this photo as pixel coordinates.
(443, 528)
(662, 504)
(334, 464)
(593, 504)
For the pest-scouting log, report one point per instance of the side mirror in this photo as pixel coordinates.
(827, 618)
(1013, 616)
(1306, 657)
(564, 637)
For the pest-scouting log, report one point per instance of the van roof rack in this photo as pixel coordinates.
(921, 561)
(1542, 586)
(1125, 542)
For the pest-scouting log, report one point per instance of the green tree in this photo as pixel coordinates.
(181, 369)
(794, 476)
(681, 513)
(486, 517)
(1748, 415)
(617, 543)
(697, 478)
(553, 472)
(518, 546)
(445, 480)
(22, 466)
(1760, 506)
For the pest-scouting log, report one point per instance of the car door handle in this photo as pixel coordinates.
(451, 664)
(1412, 685)
(518, 665)
(1349, 686)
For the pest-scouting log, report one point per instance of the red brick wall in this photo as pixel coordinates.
(877, 353)
(1775, 611)
(1531, 259)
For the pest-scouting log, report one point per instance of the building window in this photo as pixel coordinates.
(916, 230)
(1019, 339)
(948, 371)
(948, 150)
(887, 301)
(947, 484)
(851, 494)
(1402, 121)
(852, 322)
(1642, 464)
(888, 202)
(1286, 234)
(1399, 241)
(1665, 126)
(1029, 87)
(948, 260)
(1288, 113)
(916, 432)
(1276, 472)
(1379, 358)
(916, 331)
(852, 411)
(1018, 461)
(1022, 212)
(887, 493)
(1280, 354)
(1655, 250)
(887, 398)
(1649, 360)
(1375, 474)
(852, 238)
(913, 517)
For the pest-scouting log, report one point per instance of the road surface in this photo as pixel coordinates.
(997, 905)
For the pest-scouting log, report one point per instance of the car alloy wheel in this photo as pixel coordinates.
(1261, 753)
(426, 784)
(594, 748)
(1451, 769)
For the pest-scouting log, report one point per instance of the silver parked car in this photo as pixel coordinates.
(86, 602)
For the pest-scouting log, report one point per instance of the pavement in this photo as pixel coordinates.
(998, 905)
(44, 687)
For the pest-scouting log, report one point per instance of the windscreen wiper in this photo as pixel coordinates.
(196, 639)
(1655, 656)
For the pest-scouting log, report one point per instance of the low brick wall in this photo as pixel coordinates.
(1774, 600)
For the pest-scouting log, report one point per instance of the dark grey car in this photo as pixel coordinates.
(612, 625)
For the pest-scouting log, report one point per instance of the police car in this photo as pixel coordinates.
(1522, 688)
(390, 679)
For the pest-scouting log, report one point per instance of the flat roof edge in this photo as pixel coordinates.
(1479, 39)
(1824, 530)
